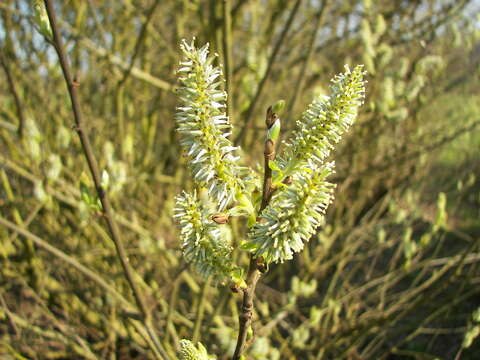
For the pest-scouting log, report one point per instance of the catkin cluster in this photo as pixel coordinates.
(296, 207)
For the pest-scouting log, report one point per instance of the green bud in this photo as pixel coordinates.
(250, 332)
(85, 194)
(41, 18)
(278, 107)
(105, 182)
(274, 131)
(237, 278)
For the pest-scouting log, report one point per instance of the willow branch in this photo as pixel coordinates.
(72, 86)
(400, 159)
(62, 196)
(202, 298)
(98, 24)
(256, 264)
(134, 71)
(103, 53)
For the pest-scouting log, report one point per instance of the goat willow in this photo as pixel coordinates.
(297, 206)
(295, 191)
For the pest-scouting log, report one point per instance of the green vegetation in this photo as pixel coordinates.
(97, 155)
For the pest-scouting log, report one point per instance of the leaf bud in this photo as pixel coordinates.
(220, 218)
(274, 130)
(278, 107)
(270, 118)
(41, 18)
(235, 288)
(288, 180)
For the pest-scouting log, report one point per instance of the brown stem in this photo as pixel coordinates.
(256, 264)
(72, 86)
(246, 313)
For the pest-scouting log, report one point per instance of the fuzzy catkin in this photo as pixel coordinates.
(325, 121)
(204, 127)
(296, 210)
(202, 242)
(292, 216)
(188, 351)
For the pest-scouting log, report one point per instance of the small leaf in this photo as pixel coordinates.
(105, 182)
(252, 219)
(273, 165)
(247, 246)
(278, 107)
(239, 282)
(41, 18)
(250, 332)
(274, 131)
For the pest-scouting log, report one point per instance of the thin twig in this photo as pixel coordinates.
(395, 161)
(254, 273)
(103, 52)
(65, 329)
(53, 334)
(100, 29)
(135, 71)
(67, 188)
(95, 174)
(10, 318)
(246, 313)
